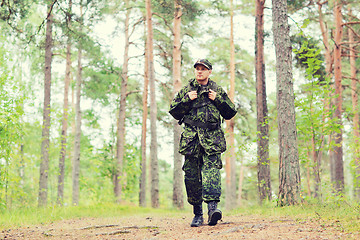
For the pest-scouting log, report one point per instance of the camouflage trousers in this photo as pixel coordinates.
(202, 178)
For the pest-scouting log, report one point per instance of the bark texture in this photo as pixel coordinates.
(64, 121)
(230, 196)
(76, 155)
(153, 111)
(338, 138)
(178, 195)
(142, 192)
(120, 144)
(264, 180)
(45, 143)
(289, 170)
(355, 100)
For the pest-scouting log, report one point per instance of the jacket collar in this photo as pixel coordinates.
(195, 85)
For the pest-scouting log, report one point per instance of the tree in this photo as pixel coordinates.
(64, 122)
(77, 140)
(329, 70)
(45, 143)
(142, 190)
(153, 110)
(11, 128)
(264, 180)
(338, 138)
(122, 111)
(354, 99)
(313, 117)
(178, 183)
(230, 124)
(289, 170)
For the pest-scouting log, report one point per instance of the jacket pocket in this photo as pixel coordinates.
(189, 144)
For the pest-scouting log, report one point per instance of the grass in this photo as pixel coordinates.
(341, 215)
(27, 216)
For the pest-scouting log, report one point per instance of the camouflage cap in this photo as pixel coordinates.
(203, 62)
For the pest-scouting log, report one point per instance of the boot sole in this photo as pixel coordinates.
(215, 217)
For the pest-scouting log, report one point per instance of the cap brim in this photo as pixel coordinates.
(203, 64)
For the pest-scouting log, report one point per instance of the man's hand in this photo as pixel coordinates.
(212, 94)
(192, 95)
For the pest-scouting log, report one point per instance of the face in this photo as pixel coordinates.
(202, 74)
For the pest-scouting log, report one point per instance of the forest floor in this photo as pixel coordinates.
(155, 226)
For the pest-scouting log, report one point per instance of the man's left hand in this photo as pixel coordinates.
(212, 94)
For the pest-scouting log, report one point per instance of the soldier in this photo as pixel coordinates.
(200, 106)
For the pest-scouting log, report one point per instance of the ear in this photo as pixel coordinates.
(210, 71)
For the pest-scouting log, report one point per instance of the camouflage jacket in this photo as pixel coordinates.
(205, 111)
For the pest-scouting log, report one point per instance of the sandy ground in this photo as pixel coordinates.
(178, 227)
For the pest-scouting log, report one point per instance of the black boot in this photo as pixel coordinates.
(214, 213)
(198, 220)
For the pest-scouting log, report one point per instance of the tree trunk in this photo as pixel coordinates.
(324, 33)
(64, 128)
(241, 180)
(354, 99)
(153, 111)
(120, 145)
(45, 143)
(289, 170)
(308, 175)
(328, 68)
(338, 149)
(230, 196)
(264, 180)
(178, 196)
(142, 193)
(76, 156)
(316, 168)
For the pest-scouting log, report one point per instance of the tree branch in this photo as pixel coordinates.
(43, 22)
(131, 92)
(350, 23)
(166, 23)
(348, 26)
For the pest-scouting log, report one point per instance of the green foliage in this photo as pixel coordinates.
(308, 56)
(190, 8)
(14, 10)
(101, 83)
(11, 111)
(313, 112)
(295, 5)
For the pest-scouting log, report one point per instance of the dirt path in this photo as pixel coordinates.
(178, 227)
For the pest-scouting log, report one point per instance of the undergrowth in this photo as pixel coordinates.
(341, 215)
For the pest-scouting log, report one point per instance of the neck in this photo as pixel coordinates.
(203, 82)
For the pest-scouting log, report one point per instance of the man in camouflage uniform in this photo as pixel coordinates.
(200, 106)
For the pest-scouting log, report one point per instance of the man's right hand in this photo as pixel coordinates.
(192, 95)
